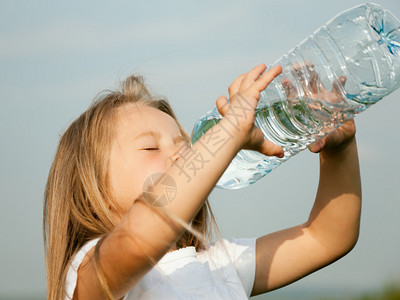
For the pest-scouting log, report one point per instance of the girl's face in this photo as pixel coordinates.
(146, 142)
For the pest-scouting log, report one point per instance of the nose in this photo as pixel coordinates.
(175, 153)
(174, 157)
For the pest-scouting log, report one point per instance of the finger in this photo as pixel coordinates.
(314, 80)
(267, 77)
(252, 76)
(270, 149)
(338, 86)
(222, 105)
(308, 77)
(317, 146)
(234, 87)
(305, 65)
(289, 88)
(349, 128)
(296, 66)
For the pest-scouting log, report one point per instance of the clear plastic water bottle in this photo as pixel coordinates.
(338, 72)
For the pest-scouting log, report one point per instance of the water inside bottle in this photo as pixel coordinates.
(294, 124)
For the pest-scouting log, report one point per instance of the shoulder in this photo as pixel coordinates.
(237, 247)
(232, 248)
(233, 256)
(72, 274)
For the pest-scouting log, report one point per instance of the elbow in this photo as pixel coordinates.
(335, 245)
(345, 246)
(351, 243)
(350, 237)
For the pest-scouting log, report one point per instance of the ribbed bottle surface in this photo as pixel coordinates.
(338, 72)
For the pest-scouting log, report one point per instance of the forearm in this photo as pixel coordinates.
(150, 227)
(335, 218)
(199, 168)
(146, 233)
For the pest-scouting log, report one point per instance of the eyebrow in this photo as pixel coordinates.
(154, 134)
(157, 136)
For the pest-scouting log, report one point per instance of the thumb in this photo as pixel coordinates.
(270, 149)
(222, 105)
(317, 146)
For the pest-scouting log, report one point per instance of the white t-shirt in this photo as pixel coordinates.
(187, 274)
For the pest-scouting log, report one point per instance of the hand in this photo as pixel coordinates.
(336, 140)
(312, 86)
(244, 93)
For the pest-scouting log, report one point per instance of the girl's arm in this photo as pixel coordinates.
(145, 234)
(333, 225)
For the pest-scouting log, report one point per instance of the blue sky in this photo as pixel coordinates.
(55, 57)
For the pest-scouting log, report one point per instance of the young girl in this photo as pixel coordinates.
(125, 183)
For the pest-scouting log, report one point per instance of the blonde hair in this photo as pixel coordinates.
(78, 204)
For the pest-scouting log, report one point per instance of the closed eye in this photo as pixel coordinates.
(151, 149)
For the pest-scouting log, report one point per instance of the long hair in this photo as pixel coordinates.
(78, 204)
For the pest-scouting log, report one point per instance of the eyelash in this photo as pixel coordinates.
(151, 149)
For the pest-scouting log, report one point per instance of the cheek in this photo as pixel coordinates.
(150, 166)
(123, 186)
(128, 177)
(144, 167)
(124, 179)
